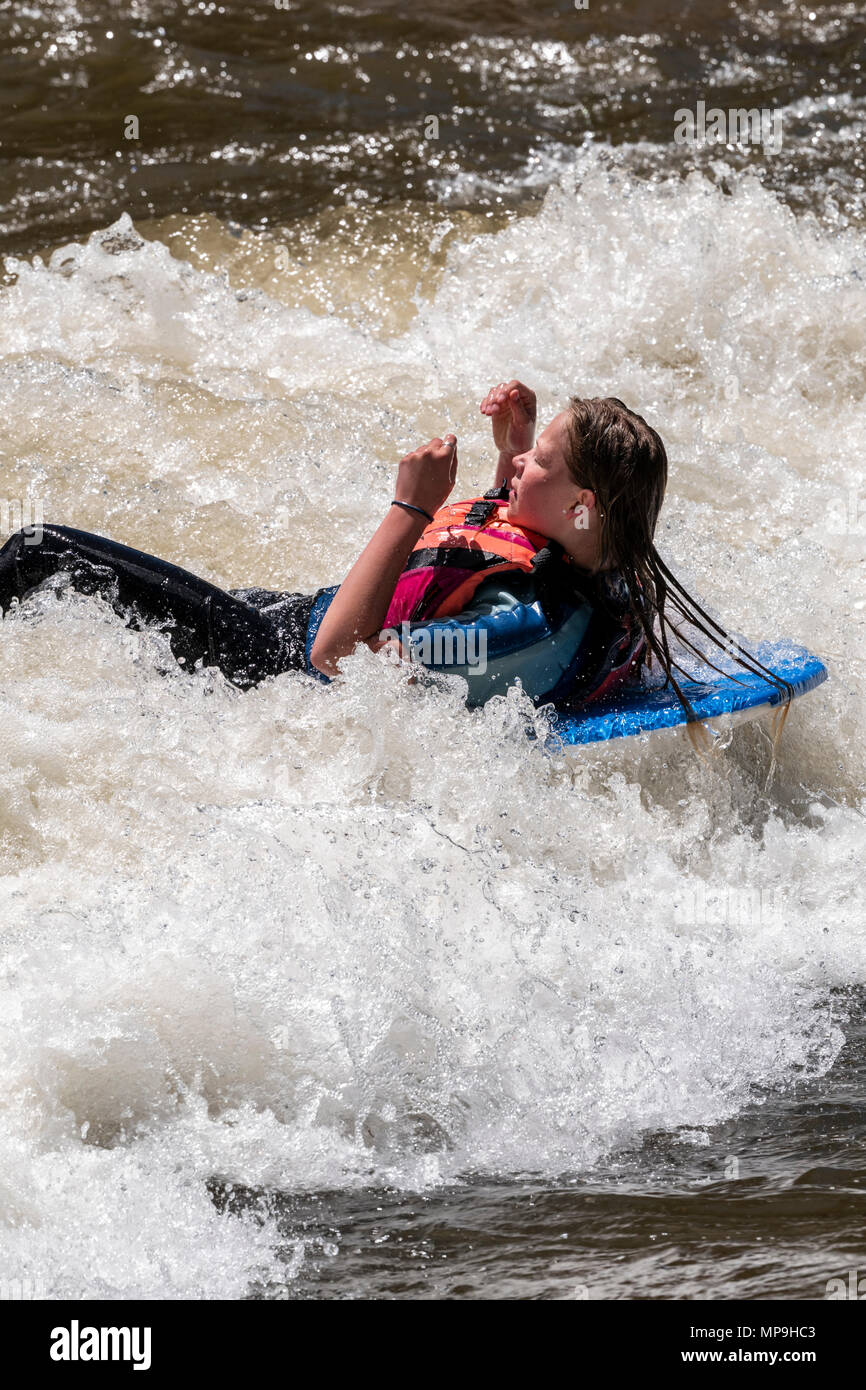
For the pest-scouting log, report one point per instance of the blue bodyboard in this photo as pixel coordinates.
(642, 709)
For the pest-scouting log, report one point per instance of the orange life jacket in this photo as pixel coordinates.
(464, 544)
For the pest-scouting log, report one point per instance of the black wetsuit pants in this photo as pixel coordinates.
(248, 633)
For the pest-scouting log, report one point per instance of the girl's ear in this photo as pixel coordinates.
(580, 516)
(586, 502)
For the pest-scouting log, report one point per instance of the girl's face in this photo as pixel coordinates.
(543, 493)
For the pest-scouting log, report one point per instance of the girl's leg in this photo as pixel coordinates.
(204, 623)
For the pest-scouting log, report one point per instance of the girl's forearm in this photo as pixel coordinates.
(357, 610)
(504, 469)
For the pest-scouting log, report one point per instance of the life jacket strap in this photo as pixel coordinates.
(479, 513)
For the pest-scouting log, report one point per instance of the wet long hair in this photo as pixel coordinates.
(614, 453)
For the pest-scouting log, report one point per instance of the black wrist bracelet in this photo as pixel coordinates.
(412, 508)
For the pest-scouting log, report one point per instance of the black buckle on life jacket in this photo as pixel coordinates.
(500, 493)
(479, 513)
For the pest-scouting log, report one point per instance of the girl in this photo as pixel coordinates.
(552, 573)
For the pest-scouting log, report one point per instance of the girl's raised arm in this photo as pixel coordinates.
(357, 611)
(512, 409)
